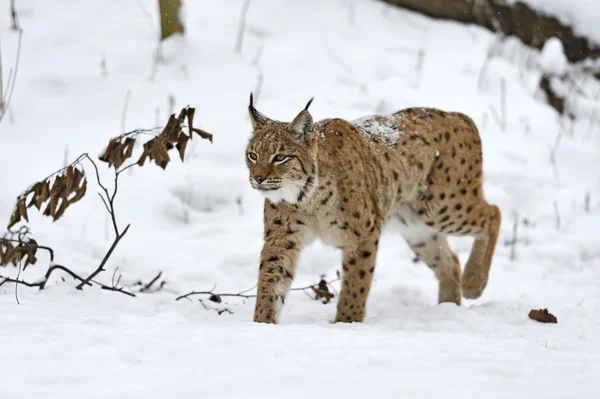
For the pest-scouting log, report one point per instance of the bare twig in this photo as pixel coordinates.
(503, 103)
(553, 153)
(148, 287)
(6, 93)
(258, 86)
(215, 297)
(103, 68)
(17, 285)
(587, 200)
(257, 56)
(486, 61)
(513, 242)
(15, 18)
(242, 26)
(100, 268)
(124, 110)
(157, 59)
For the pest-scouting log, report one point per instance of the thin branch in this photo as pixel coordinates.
(64, 269)
(50, 250)
(6, 95)
(104, 202)
(242, 294)
(556, 216)
(42, 283)
(242, 26)
(17, 285)
(17, 281)
(148, 286)
(117, 289)
(15, 18)
(109, 200)
(513, 242)
(258, 85)
(124, 110)
(105, 259)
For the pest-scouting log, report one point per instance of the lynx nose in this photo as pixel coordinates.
(259, 179)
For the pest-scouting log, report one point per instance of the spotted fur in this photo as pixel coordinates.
(342, 181)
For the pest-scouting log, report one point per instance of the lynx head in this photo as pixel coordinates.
(282, 157)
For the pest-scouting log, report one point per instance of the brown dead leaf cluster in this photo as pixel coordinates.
(321, 290)
(13, 252)
(543, 316)
(58, 191)
(120, 148)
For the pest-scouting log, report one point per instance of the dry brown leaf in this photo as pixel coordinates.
(182, 144)
(161, 156)
(190, 116)
(23, 209)
(106, 155)
(543, 316)
(129, 143)
(322, 291)
(203, 134)
(61, 209)
(11, 254)
(14, 218)
(68, 179)
(117, 152)
(52, 205)
(42, 193)
(79, 192)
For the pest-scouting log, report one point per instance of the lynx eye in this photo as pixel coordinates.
(280, 158)
(252, 157)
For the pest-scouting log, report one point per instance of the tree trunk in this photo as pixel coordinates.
(517, 19)
(170, 22)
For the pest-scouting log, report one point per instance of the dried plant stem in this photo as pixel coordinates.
(513, 242)
(14, 17)
(100, 268)
(242, 27)
(124, 110)
(587, 200)
(6, 93)
(242, 294)
(503, 104)
(148, 287)
(109, 203)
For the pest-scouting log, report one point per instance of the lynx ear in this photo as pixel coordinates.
(258, 120)
(302, 124)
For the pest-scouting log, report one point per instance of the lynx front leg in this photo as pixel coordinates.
(358, 268)
(284, 238)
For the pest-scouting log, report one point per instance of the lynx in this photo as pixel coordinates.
(341, 181)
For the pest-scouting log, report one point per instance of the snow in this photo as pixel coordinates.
(385, 129)
(581, 15)
(552, 57)
(200, 222)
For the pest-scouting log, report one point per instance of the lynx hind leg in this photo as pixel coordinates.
(477, 269)
(435, 253)
(432, 248)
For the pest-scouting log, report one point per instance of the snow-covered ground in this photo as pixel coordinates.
(200, 223)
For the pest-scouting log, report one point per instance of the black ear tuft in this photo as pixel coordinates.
(258, 120)
(305, 108)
